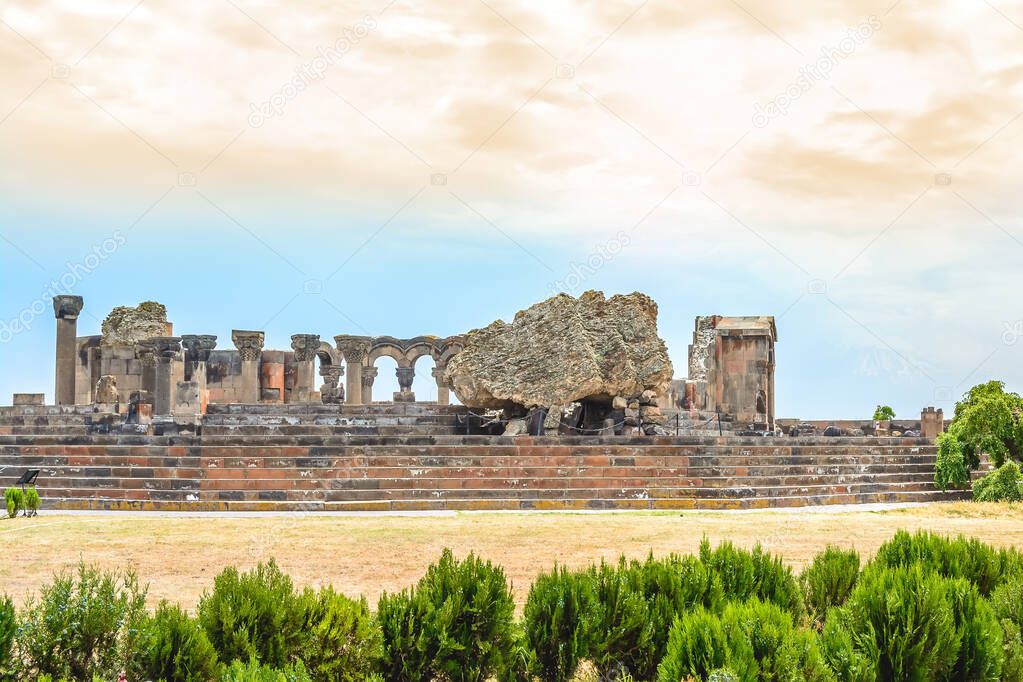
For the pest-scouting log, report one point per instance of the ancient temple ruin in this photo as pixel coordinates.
(145, 419)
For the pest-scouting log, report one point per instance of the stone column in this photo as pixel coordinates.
(443, 395)
(330, 392)
(369, 375)
(197, 353)
(146, 353)
(167, 349)
(66, 310)
(354, 349)
(405, 377)
(305, 346)
(250, 348)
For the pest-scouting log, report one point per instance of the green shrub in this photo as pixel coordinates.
(14, 499)
(828, 581)
(342, 642)
(1007, 605)
(622, 634)
(988, 421)
(745, 574)
(176, 648)
(254, 672)
(456, 624)
(958, 557)
(913, 624)
(86, 623)
(1004, 484)
(407, 638)
(32, 500)
(8, 627)
(950, 465)
(255, 615)
(557, 623)
(756, 640)
(980, 635)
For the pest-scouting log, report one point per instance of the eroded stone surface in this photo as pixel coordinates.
(106, 389)
(128, 325)
(563, 350)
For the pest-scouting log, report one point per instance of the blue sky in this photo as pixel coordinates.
(426, 168)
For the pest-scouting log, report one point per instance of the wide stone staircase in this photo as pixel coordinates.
(419, 456)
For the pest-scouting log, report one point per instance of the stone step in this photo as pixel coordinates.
(184, 501)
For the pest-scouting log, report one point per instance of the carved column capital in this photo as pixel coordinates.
(438, 374)
(305, 346)
(331, 374)
(166, 348)
(198, 346)
(146, 352)
(67, 307)
(405, 377)
(353, 348)
(248, 343)
(368, 375)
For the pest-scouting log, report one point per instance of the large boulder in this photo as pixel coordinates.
(563, 350)
(127, 325)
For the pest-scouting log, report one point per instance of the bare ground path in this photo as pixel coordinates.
(179, 554)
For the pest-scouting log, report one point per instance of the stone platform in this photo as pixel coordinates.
(418, 457)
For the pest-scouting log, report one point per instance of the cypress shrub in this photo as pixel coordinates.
(958, 557)
(1007, 605)
(88, 623)
(980, 635)
(556, 620)
(254, 616)
(254, 672)
(14, 500)
(828, 581)
(176, 648)
(342, 642)
(913, 624)
(456, 624)
(745, 574)
(8, 627)
(755, 640)
(622, 636)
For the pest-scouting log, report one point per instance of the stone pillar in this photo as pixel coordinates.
(443, 394)
(932, 423)
(369, 375)
(167, 349)
(271, 377)
(305, 346)
(250, 348)
(66, 310)
(354, 350)
(198, 348)
(330, 392)
(405, 377)
(146, 353)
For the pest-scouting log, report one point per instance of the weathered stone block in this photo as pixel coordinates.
(29, 398)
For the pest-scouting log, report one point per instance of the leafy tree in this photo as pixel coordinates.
(988, 420)
(884, 413)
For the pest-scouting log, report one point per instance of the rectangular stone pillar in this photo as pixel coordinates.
(198, 348)
(167, 350)
(305, 346)
(250, 348)
(271, 376)
(443, 394)
(354, 350)
(66, 310)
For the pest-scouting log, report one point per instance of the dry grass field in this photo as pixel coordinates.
(179, 555)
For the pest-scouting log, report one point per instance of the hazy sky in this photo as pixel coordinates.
(411, 167)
